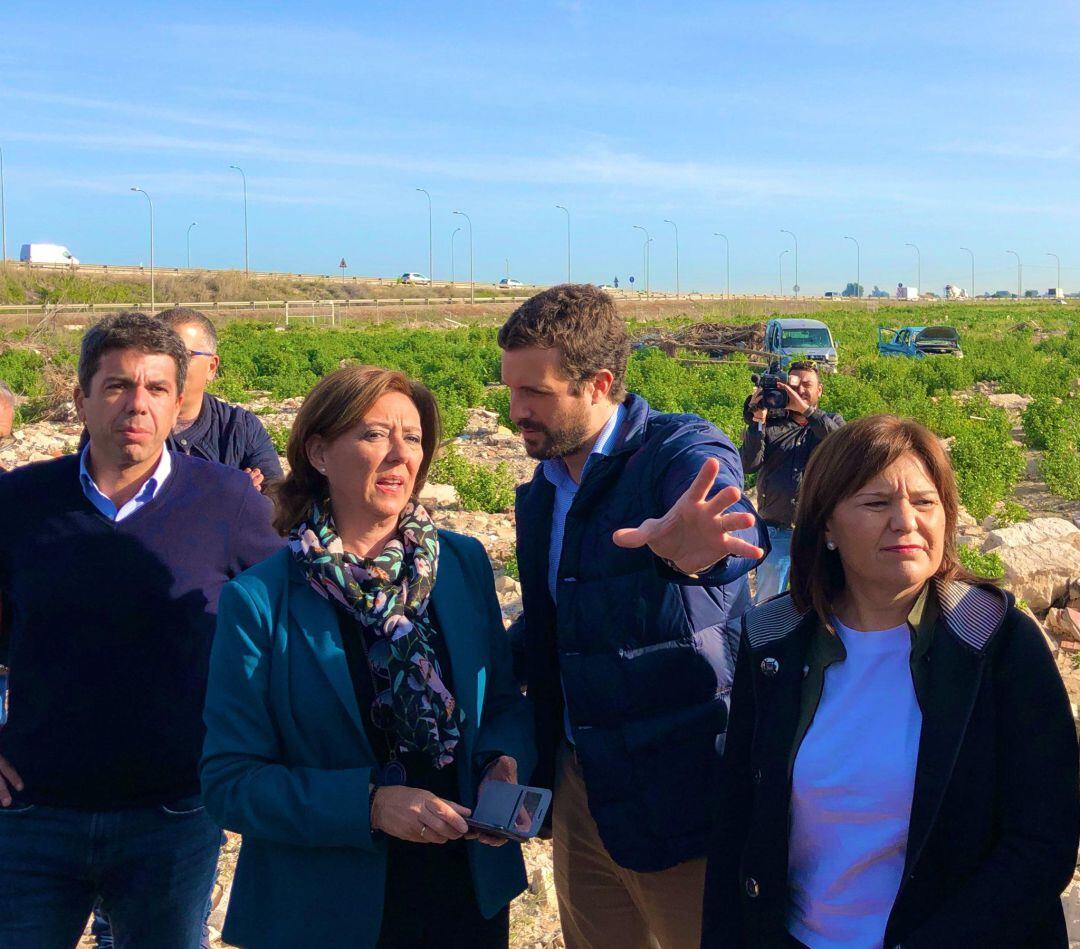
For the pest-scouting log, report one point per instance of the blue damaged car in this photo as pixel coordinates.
(918, 342)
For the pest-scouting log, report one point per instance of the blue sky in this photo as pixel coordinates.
(889, 122)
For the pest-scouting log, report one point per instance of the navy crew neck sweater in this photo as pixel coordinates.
(107, 628)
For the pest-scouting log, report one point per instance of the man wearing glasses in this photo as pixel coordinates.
(208, 427)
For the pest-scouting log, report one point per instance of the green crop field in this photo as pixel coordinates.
(1031, 350)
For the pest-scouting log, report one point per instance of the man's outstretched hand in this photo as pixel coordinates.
(696, 533)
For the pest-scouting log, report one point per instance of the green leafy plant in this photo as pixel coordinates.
(480, 487)
(497, 399)
(1010, 513)
(279, 435)
(1060, 468)
(987, 565)
(510, 566)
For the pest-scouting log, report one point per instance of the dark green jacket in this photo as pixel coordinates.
(995, 817)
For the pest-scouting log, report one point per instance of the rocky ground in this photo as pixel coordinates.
(1041, 558)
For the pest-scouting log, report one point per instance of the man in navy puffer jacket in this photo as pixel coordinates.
(208, 427)
(633, 543)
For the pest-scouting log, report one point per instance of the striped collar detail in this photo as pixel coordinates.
(972, 613)
(772, 620)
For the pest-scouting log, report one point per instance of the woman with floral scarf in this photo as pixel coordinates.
(360, 694)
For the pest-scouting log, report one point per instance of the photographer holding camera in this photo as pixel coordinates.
(783, 427)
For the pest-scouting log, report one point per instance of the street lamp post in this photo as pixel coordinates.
(796, 240)
(151, 203)
(727, 260)
(453, 283)
(561, 208)
(918, 269)
(3, 207)
(1019, 274)
(782, 271)
(676, 226)
(858, 266)
(648, 241)
(244, 177)
(430, 246)
(472, 282)
(1057, 285)
(972, 253)
(190, 226)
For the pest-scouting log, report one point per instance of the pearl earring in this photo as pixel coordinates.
(830, 545)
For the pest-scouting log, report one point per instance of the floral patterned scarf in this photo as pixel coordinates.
(388, 595)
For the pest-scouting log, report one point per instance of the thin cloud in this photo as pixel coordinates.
(1005, 149)
(88, 104)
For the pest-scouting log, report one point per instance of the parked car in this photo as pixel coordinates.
(508, 283)
(801, 340)
(918, 342)
(415, 278)
(47, 254)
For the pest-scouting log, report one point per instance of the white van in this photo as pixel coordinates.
(47, 254)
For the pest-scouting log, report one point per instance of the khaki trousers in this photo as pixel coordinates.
(603, 905)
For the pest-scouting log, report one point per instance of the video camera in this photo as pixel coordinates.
(773, 398)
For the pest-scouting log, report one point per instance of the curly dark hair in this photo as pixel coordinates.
(582, 323)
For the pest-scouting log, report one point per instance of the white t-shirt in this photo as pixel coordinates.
(851, 795)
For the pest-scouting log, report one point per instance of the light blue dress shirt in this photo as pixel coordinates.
(566, 488)
(144, 495)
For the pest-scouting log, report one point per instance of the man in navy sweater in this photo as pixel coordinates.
(111, 562)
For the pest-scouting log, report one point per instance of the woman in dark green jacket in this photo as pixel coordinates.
(360, 693)
(901, 762)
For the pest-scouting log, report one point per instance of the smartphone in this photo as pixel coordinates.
(513, 811)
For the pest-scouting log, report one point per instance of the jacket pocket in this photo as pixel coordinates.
(183, 806)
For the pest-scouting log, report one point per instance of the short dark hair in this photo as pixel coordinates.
(130, 330)
(582, 323)
(184, 316)
(805, 366)
(845, 461)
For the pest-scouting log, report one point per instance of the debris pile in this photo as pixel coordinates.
(714, 340)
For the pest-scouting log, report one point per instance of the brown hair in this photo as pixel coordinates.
(130, 330)
(339, 401)
(845, 461)
(582, 323)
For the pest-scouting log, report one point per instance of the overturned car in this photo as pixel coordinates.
(917, 342)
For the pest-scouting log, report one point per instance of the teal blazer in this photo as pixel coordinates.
(287, 762)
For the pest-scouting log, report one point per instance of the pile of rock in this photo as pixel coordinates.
(39, 441)
(1041, 556)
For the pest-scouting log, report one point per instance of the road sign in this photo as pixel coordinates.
(631, 279)
(343, 265)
